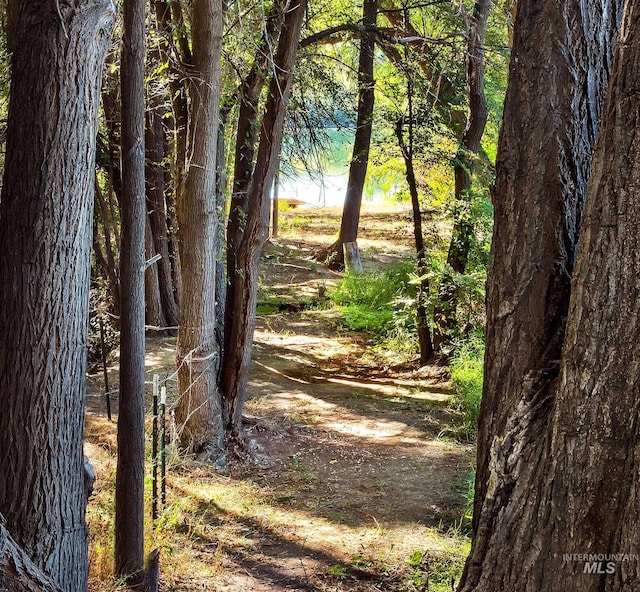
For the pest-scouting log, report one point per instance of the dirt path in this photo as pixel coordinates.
(365, 492)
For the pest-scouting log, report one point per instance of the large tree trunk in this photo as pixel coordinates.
(242, 294)
(539, 490)
(45, 246)
(547, 160)
(462, 235)
(129, 520)
(362, 142)
(198, 409)
(17, 572)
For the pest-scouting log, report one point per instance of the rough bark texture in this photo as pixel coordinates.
(156, 206)
(541, 489)
(247, 133)
(198, 410)
(45, 245)
(17, 572)
(542, 170)
(563, 477)
(129, 520)
(362, 141)
(462, 235)
(242, 302)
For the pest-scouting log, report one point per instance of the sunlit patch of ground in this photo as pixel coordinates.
(366, 491)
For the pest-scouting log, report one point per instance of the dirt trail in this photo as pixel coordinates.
(362, 476)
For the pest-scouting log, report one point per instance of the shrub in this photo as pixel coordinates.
(466, 370)
(372, 301)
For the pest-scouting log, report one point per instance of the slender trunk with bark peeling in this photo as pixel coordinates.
(129, 519)
(45, 259)
(362, 142)
(562, 476)
(197, 411)
(445, 319)
(242, 304)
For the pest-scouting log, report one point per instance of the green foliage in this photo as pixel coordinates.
(373, 301)
(467, 375)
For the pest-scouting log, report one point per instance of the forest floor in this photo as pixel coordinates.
(368, 488)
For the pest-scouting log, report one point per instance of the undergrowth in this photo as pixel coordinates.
(467, 373)
(380, 303)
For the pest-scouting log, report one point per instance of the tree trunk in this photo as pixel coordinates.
(154, 315)
(422, 321)
(362, 142)
(45, 263)
(247, 133)
(198, 409)
(538, 415)
(129, 520)
(155, 190)
(242, 294)
(17, 572)
(462, 235)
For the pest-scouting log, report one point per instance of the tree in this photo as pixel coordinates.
(551, 397)
(198, 410)
(45, 246)
(462, 233)
(361, 145)
(129, 521)
(243, 283)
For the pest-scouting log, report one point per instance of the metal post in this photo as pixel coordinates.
(154, 450)
(104, 368)
(163, 456)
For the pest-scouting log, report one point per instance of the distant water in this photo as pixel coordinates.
(318, 191)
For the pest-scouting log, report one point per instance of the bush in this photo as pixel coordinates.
(467, 374)
(372, 301)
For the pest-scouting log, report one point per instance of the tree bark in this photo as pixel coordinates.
(242, 295)
(362, 142)
(563, 476)
(154, 314)
(129, 520)
(17, 572)
(544, 154)
(445, 319)
(535, 409)
(156, 205)
(247, 133)
(198, 409)
(45, 262)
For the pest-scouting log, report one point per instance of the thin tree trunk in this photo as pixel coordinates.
(109, 267)
(155, 191)
(445, 318)
(45, 263)
(198, 410)
(129, 520)
(362, 142)
(247, 132)
(154, 315)
(241, 298)
(422, 321)
(563, 475)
